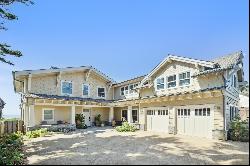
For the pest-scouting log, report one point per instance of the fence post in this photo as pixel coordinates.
(1, 128)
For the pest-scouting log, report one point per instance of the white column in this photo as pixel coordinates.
(130, 114)
(111, 114)
(29, 82)
(31, 116)
(73, 112)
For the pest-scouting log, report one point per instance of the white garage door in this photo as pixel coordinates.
(195, 121)
(157, 119)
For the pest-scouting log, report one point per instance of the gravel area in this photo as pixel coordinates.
(106, 146)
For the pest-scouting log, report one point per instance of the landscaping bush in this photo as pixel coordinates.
(37, 133)
(239, 130)
(11, 149)
(126, 127)
(98, 120)
(80, 121)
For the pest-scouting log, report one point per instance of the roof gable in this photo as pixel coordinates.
(171, 58)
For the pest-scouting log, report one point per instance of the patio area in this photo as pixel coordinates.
(104, 145)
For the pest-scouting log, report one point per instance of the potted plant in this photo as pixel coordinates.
(98, 121)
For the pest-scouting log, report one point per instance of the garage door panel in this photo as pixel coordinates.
(196, 122)
(157, 119)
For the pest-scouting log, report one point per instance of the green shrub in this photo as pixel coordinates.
(80, 121)
(239, 130)
(37, 133)
(98, 120)
(126, 127)
(11, 149)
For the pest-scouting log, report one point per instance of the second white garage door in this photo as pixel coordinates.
(195, 121)
(157, 119)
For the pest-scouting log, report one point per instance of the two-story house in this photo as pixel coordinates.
(179, 96)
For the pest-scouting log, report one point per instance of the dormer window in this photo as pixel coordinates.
(171, 81)
(160, 83)
(126, 90)
(66, 87)
(184, 79)
(101, 92)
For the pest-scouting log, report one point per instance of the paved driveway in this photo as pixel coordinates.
(106, 146)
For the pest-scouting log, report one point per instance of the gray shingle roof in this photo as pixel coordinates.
(45, 96)
(223, 63)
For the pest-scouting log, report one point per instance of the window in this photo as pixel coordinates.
(160, 83)
(122, 91)
(134, 116)
(85, 90)
(101, 92)
(171, 81)
(48, 115)
(235, 81)
(66, 87)
(131, 87)
(124, 115)
(233, 112)
(196, 112)
(184, 79)
(126, 90)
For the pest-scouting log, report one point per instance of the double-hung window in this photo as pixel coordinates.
(101, 92)
(85, 90)
(184, 79)
(66, 87)
(160, 83)
(131, 89)
(48, 115)
(171, 81)
(122, 91)
(126, 90)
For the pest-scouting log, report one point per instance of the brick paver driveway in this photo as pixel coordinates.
(106, 146)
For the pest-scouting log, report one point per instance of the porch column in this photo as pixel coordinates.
(130, 114)
(73, 112)
(111, 114)
(31, 115)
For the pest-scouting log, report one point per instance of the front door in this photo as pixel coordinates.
(86, 115)
(124, 115)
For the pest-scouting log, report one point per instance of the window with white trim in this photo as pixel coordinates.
(122, 91)
(235, 81)
(101, 92)
(126, 90)
(48, 115)
(160, 83)
(66, 87)
(85, 90)
(233, 112)
(184, 79)
(171, 81)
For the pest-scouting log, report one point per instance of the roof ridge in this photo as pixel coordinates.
(227, 55)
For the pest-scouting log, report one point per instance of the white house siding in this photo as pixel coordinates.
(51, 85)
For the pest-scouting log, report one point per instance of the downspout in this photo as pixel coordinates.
(224, 106)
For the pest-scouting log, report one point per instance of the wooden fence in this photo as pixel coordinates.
(7, 127)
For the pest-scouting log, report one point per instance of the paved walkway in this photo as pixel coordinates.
(106, 146)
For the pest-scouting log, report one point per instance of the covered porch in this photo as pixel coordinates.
(52, 111)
